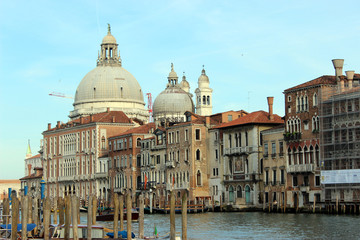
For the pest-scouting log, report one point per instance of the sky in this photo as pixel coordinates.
(250, 50)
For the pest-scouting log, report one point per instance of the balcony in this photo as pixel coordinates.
(300, 168)
(66, 178)
(170, 164)
(304, 188)
(101, 175)
(240, 150)
(177, 186)
(292, 137)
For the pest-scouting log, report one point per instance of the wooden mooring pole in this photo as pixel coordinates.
(67, 216)
(128, 213)
(184, 216)
(141, 216)
(172, 216)
(94, 209)
(116, 214)
(24, 216)
(121, 206)
(14, 216)
(47, 216)
(61, 207)
(74, 209)
(89, 217)
(55, 213)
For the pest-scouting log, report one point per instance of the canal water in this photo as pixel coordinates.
(254, 225)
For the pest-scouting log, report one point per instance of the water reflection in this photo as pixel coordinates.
(254, 225)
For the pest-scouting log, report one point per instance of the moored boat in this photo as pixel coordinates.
(109, 216)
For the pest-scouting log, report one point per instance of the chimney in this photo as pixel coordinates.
(81, 120)
(107, 109)
(113, 119)
(338, 65)
(58, 124)
(91, 118)
(270, 103)
(207, 121)
(350, 78)
(49, 126)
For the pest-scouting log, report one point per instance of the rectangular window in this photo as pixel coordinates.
(317, 180)
(246, 139)
(273, 149)
(177, 136)
(295, 182)
(274, 177)
(158, 159)
(282, 176)
(266, 149)
(186, 135)
(216, 154)
(229, 118)
(281, 148)
(197, 134)
(266, 177)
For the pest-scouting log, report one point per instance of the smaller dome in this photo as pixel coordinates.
(109, 38)
(172, 74)
(203, 77)
(184, 83)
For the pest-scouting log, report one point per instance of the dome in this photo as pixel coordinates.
(173, 102)
(109, 39)
(203, 77)
(108, 83)
(109, 86)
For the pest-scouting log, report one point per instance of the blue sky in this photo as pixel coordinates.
(250, 49)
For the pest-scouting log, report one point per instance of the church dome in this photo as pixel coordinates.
(109, 85)
(171, 104)
(173, 101)
(203, 80)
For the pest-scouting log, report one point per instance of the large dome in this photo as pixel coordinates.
(109, 85)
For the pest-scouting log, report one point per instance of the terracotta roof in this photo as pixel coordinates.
(105, 117)
(32, 176)
(36, 156)
(325, 79)
(258, 117)
(138, 130)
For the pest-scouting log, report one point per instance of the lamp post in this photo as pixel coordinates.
(42, 186)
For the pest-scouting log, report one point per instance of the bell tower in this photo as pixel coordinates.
(203, 95)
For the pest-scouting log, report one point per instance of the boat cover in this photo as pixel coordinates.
(29, 227)
(123, 234)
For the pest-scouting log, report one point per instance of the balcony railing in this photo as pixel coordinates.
(170, 164)
(177, 186)
(101, 175)
(300, 168)
(295, 136)
(240, 150)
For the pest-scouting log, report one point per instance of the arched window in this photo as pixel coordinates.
(231, 194)
(306, 103)
(198, 154)
(289, 156)
(311, 154)
(239, 192)
(295, 156)
(317, 156)
(198, 178)
(103, 142)
(298, 104)
(315, 100)
(306, 155)
(302, 104)
(300, 154)
(208, 100)
(204, 100)
(138, 142)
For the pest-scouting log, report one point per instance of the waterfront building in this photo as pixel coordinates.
(216, 156)
(75, 154)
(33, 173)
(302, 124)
(5, 184)
(153, 159)
(125, 158)
(242, 155)
(273, 167)
(340, 139)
